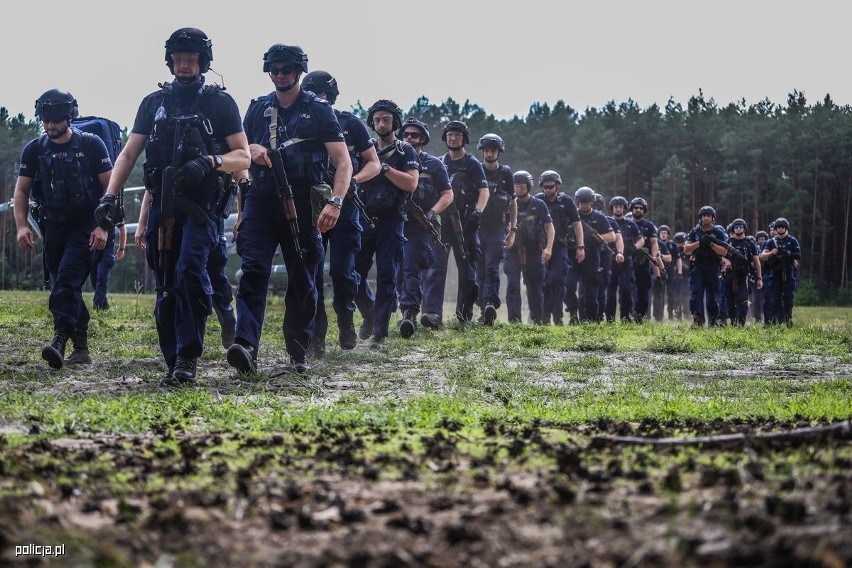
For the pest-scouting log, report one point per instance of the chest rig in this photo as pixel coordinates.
(65, 182)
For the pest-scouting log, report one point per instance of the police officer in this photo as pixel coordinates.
(343, 242)
(660, 285)
(589, 271)
(782, 254)
(65, 170)
(529, 247)
(622, 284)
(704, 272)
(385, 197)
(191, 134)
(499, 214)
(607, 255)
(433, 195)
(744, 259)
(470, 188)
(568, 246)
(641, 264)
(681, 293)
(302, 130)
(758, 301)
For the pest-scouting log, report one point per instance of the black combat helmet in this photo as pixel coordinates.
(599, 201)
(457, 126)
(665, 228)
(763, 234)
(55, 105)
(491, 141)
(523, 176)
(322, 82)
(192, 40)
(640, 202)
(386, 105)
(618, 200)
(280, 53)
(549, 175)
(584, 195)
(739, 223)
(679, 237)
(782, 222)
(411, 121)
(706, 210)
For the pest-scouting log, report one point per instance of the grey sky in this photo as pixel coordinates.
(585, 53)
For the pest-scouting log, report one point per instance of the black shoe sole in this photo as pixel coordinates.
(406, 328)
(240, 360)
(489, 314)
(53, 357)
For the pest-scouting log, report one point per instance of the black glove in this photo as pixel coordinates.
(471, 222)
(107, 213)
(706, 241)
(194, 170)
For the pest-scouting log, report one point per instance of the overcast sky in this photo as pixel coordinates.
(517, 53)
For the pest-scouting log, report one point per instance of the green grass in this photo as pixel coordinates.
(516, 373)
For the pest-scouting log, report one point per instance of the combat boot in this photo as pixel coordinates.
(242, 358)
(184, 373)
(54, 353)
(80, 354)
(432, 321)
(228, 323)
(366, 329)
(346, 331)
(408, 325)
(489, 314)
(317, 348)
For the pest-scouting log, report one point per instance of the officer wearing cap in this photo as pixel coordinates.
(65, 171)
(303, 130)
(191, 135)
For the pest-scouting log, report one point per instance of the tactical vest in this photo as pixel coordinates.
(465, 194)
(380, 195)
(66, 184)
(498, 200)
(743, 247)
(180, 135)
(425, 195)
(561, 225)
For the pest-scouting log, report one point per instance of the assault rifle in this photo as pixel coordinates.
(420, 216)
(657, 262)
(285, 193)
(590, 233)
(352, 194)
(453, 213)
(732, 250)
(165, 232)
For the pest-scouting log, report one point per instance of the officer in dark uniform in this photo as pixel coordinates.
(343, 242)
(385, 198)
(782, 254)
(607, 255)
(641, 264)
(529, 247)
(705, 267)
(191, 133)
(303, 130)
(470, 188)
(760, 238)
(499, 214)
(434, 194)
(589, 271)
(660, 276)
(743, 262)
(65, 170)
(681, 277)
(622, 283)
(568, 246)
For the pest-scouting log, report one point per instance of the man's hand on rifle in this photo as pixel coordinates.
(194, 170)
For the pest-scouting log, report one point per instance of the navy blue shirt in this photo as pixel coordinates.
(380, 194)
(629, 233)
(532, 216)
(705, 254)
(467, 177)
(563, 211)
(501, 189)
(355, 136)
(788, 244)
(598, 222)
(433, 181)
(310, 119)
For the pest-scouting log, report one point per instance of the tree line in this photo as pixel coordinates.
(755, 161)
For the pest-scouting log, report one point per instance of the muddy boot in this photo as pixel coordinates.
(80, 354)
(432, 321)
(54, 353)
(228, 323)
(408, 325)
(489, 314)
(366, 329)
(346, 327)
(184, 373)
(242, 358)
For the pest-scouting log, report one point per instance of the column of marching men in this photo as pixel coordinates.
(312, 181)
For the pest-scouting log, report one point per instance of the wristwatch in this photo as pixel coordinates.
(336, 201)
(385, 167)
(217, 162)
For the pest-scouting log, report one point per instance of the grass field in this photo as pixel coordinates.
(511, 446)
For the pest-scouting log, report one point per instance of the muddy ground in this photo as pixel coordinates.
(541, 494)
